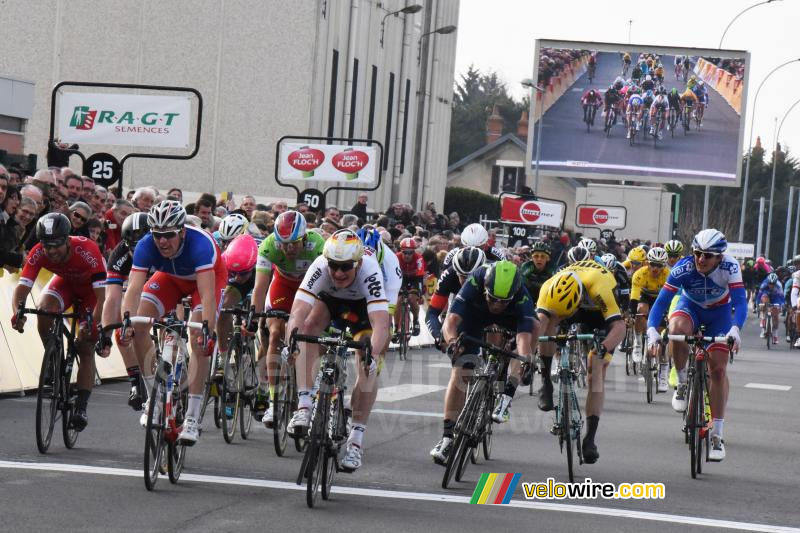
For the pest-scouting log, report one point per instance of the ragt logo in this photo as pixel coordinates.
(82, 118)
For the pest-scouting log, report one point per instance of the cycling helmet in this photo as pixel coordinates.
(133, 227)
(609, 260)
(408, 244)
(700, 83)
(564, 294)
(53, 229)
(772, 278)
(710, 240)
(166, 215)
(502, 280)
(541, 247)
(468, 260)
(372, 241)
(290, 226)
(592, 93)
(474, 235)
(241, 254)
(657, 255)
(674, 92)
(649, 93)
(662, 90)
(648, 78)
(232, 226)
(618, 83)
(343, 246)
(589, 244)
(637, 255)
(674, 247)
(577, 253)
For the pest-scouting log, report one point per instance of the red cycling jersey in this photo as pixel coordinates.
(415, 267)
(587, 99)
(85, 266)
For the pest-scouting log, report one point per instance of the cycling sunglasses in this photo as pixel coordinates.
(705, 255)
(54, 244)
(168, 235)
(344, 267)
(496, 300)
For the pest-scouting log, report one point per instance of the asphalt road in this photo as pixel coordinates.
(98, 485)
(710, 153)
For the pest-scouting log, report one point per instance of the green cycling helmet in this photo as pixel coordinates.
(502, 280)
(674, 92)
(541, 246)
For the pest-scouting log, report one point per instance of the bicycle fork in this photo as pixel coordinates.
(168, 356)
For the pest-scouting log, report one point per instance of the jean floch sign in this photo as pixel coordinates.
(125, 119)
(328, 162)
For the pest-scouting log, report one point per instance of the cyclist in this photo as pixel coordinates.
(591, 246)
(134, 227)
(795, 300)
(658, 74)
(660, 105)
(612, 97)
(687, 65)
(634, 113)
(578, 253)
(674, 249)
(590, 98)
(231, 226)
(636, 73)
(284, 257)
(688, 99)
(626, 62)
(476, 235)
(678, 66)
(342, 283)
(581, 293)
(635, 260)
(538, 270)
(648, 84)
(494, 294)
(771, 300)
(412, 267)
(79, 278)
(645, 286)
(674, 101)
(622, 292)
(186, 262)
(711, 282)
(701, 92)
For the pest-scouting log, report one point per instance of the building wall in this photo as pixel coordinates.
(264, 69)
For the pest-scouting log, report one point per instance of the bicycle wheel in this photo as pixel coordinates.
(454, 459)
(47, 397)
(316, 449)
(229, 394)
(154, 433)
(488, 427)
(692, 427)
(647, 371)
(565, 434)
(338, 434)
(472, 429)
(403, 348)
(70, 396)
(176, 453)
(460, 444)
(248, 386)
(281, 410)
(768, 329)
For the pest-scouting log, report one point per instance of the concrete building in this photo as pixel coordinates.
(341, 68)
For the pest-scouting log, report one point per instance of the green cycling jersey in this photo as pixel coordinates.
(271, 256)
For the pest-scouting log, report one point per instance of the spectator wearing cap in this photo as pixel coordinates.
(360, 207)
(80, 213)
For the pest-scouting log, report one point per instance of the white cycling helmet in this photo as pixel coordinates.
(609, 260)
(343, 246)
(474, 235)
(577, 253)
(166, 215)
(710, 240)
(657, 255)
(468, 260)
(232, 226)
(589, 244)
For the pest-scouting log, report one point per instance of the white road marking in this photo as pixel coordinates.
(767, 386)
(407, 413)
(396, 393)
(440, 365)
(417, 496)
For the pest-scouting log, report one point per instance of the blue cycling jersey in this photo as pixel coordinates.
(774, 292)
(198, 252)
(717, 289)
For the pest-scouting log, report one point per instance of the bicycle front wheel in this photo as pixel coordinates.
(47, 398)
(176, 453)
(229, 394)
(281, 409)
(154, 433)
(69, 433)
(487, 428)
(315, 452)
(565, 422)
(248, 384)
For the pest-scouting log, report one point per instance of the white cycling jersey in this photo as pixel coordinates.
(795, 288)
(368, 284)
(392, 275)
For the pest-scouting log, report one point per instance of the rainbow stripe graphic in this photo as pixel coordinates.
(495, 489)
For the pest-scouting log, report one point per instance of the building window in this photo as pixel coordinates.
(12, 124)
(506, 179)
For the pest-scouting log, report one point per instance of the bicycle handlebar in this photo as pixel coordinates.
(694, 339)
(333, 342)
(491, 348)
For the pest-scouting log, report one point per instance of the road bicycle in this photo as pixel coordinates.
(697, 415)
(403, 332)
(626, 347)
(591, 72)
(56, 395)
(672, 120)
(687, 118)
(589, 112)
(328, 431)
(239, 383)
(657, 125)
(568, 421)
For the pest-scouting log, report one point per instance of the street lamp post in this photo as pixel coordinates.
(772, 187)
(527, 82)
(413, 8)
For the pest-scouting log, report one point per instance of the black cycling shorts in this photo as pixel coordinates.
(351, 314)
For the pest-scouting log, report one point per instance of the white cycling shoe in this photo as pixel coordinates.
(716, 449)
(352, 457)
(190, 431)
(679, 398)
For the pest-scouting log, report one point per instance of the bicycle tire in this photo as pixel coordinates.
(403, 348)
(647, 371)
(47, 397)
(316, 448)
(176, 453)
(486, 441)
(69, 434)
(229, 396)
(453, 459)
(656, 132)
(692, 428)
(249, 390)
(154, 434)
(768, 329)
(280, 410)
(329, 469)
(472, 427)
(565, 436)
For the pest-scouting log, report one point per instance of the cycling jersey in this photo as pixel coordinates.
(688, 96)
(635, 101)
(392, 275)
(533, 278)
(269, 255)
(701, 93)
(715, 292)
(644, 284)
(448, 285)
(85, 266)
(674, 100)
(119, 264)
(598, 291)
(198, 253)
(492, 254)
(661, 102)
(413, 268)
(367, 285)
(588, 99)
(773, 292)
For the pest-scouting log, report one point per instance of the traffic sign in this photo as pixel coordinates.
(103, 168)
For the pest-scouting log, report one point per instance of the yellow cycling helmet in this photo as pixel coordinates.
(637, 255)
(564, 295)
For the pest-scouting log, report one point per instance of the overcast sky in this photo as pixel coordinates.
(499, 35)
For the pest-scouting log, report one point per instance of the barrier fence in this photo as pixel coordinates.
(726, 84)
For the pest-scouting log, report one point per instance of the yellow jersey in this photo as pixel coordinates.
(643, 283)
(688, 95)
(598, 290)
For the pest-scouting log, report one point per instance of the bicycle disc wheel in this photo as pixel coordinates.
(47, 398)
(69, 433)
(154, 434)
(316, 448)
(565, 422)
(229, 395)
(281, 410)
